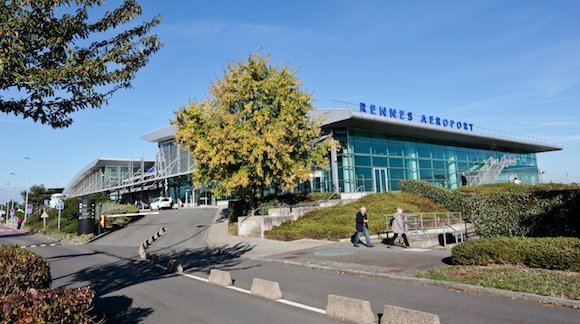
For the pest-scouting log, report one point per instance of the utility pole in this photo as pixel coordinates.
(27, 189)
(12, 199)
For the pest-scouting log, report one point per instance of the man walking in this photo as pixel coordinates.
(362, 226)
(463, 179)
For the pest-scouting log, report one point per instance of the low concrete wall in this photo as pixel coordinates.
(280, 211)
(399, 315)
(250, 226)
(349, 309)
(265, 288)
(220, 278)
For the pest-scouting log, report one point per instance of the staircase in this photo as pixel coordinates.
(489, 172)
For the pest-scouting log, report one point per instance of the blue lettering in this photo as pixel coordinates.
(393, 113)
(424, 119)
(382, 111)
(465, 126)
(431, 120)
(410, 116)
(458, 125)
(437, 121)
(363, 107)
(373, 109)
(445, 122)
(471, 127)
(451, 123)
(401, 114)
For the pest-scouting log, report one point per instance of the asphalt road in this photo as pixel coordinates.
(131, 291)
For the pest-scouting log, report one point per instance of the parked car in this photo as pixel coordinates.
(161, 203)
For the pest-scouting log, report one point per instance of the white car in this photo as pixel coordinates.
(161, 203)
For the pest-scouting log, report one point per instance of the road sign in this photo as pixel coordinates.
(11, 211)
(29, 209)
(60, 205)
(44, 215)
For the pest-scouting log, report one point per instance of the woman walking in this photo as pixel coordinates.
(399, 226)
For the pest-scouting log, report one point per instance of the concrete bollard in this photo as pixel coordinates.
(179, 268)
(350, 309)
(220, 278)
(265, 288)
(143, 253)
(399, 315)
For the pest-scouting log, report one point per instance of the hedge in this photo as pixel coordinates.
(449, 199)
(22, 269)
(542, 211)
(47, 306)
(555, 253)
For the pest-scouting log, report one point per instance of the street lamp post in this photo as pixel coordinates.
(27, 189)
(12, 198)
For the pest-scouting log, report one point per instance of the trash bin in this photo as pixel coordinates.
(86, 223)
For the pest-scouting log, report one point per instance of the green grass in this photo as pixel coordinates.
(338, 222)
(510, 187)
(535, 281)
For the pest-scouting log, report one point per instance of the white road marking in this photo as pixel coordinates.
(306, 307)
(245, 291)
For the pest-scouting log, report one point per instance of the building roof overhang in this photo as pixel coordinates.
(347, 118)
(101, 162)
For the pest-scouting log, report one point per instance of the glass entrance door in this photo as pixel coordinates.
(380, 179)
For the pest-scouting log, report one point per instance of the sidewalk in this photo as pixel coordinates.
(335, 256)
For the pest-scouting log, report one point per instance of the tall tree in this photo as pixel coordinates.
(48, 66)
(36, 195)
(253, 131)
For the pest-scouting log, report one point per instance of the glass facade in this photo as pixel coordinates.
(376, 162)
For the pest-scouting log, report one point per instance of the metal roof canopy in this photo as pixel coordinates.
(100, 162)
(347, 118)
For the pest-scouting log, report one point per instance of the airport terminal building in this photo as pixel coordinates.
(379, 147)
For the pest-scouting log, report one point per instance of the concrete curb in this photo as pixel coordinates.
(438, 283)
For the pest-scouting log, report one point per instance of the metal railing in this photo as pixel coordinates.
(490, 170)
(417, 224)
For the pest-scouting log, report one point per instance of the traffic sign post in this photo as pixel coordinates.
(59, 206)
(12, 216)
(44, 216)
(29, 209)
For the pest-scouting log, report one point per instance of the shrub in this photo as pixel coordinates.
(47, 306)
(112, 208)
(449, 199)
(22, 269)
(561, 253)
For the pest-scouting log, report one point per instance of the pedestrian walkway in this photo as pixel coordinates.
(339, 256)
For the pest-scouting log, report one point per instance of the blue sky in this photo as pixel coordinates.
(513, 66)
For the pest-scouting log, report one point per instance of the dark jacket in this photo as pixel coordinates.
(360, 221)
(463, 180)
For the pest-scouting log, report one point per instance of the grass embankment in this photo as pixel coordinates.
(495, 188)
(535, 281)
(338, 222)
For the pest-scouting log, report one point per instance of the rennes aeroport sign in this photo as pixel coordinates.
(407, 115)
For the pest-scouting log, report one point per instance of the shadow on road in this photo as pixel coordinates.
(205, 259)
(117, 309)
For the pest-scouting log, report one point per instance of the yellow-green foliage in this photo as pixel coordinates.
(253, 131)
(338, 222)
